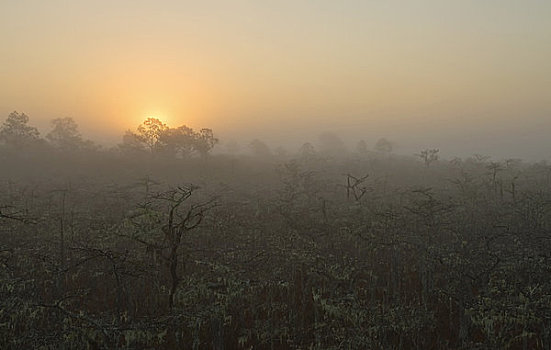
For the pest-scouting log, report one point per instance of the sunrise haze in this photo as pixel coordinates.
(465, 76)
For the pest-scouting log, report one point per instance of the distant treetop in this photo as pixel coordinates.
(15, 131)
(155, 137)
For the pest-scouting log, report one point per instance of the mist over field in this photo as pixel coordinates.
(462, 76)
(287, 175)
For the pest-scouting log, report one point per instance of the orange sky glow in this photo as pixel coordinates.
(427, 70)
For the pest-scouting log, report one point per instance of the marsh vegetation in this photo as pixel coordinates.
(159, 244)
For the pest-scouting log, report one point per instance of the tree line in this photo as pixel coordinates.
(155, 138)
(152, 136)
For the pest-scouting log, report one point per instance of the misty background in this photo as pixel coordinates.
(275, 175)
(465, 77)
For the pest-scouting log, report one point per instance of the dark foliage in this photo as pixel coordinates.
(105, 250)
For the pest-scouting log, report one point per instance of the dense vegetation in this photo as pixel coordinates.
(362, 250)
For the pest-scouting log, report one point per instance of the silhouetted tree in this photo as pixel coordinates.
(429, 156)
(131, 143)
(65, 135)
(150, 133)
(204, 141)
(179, 142)
(15, 131)
(155, 137)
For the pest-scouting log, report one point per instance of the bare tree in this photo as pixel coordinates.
(173, 214)
(8, 212)
(354, 186)
(429, 156)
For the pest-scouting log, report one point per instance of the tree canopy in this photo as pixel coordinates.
(64, 134)
(16, 131)
(155, 137)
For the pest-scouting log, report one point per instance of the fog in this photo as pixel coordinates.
(176, 237)
(526, 140)
(285, 175)
(466, 77)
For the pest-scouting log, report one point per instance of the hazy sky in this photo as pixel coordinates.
(466, 76)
